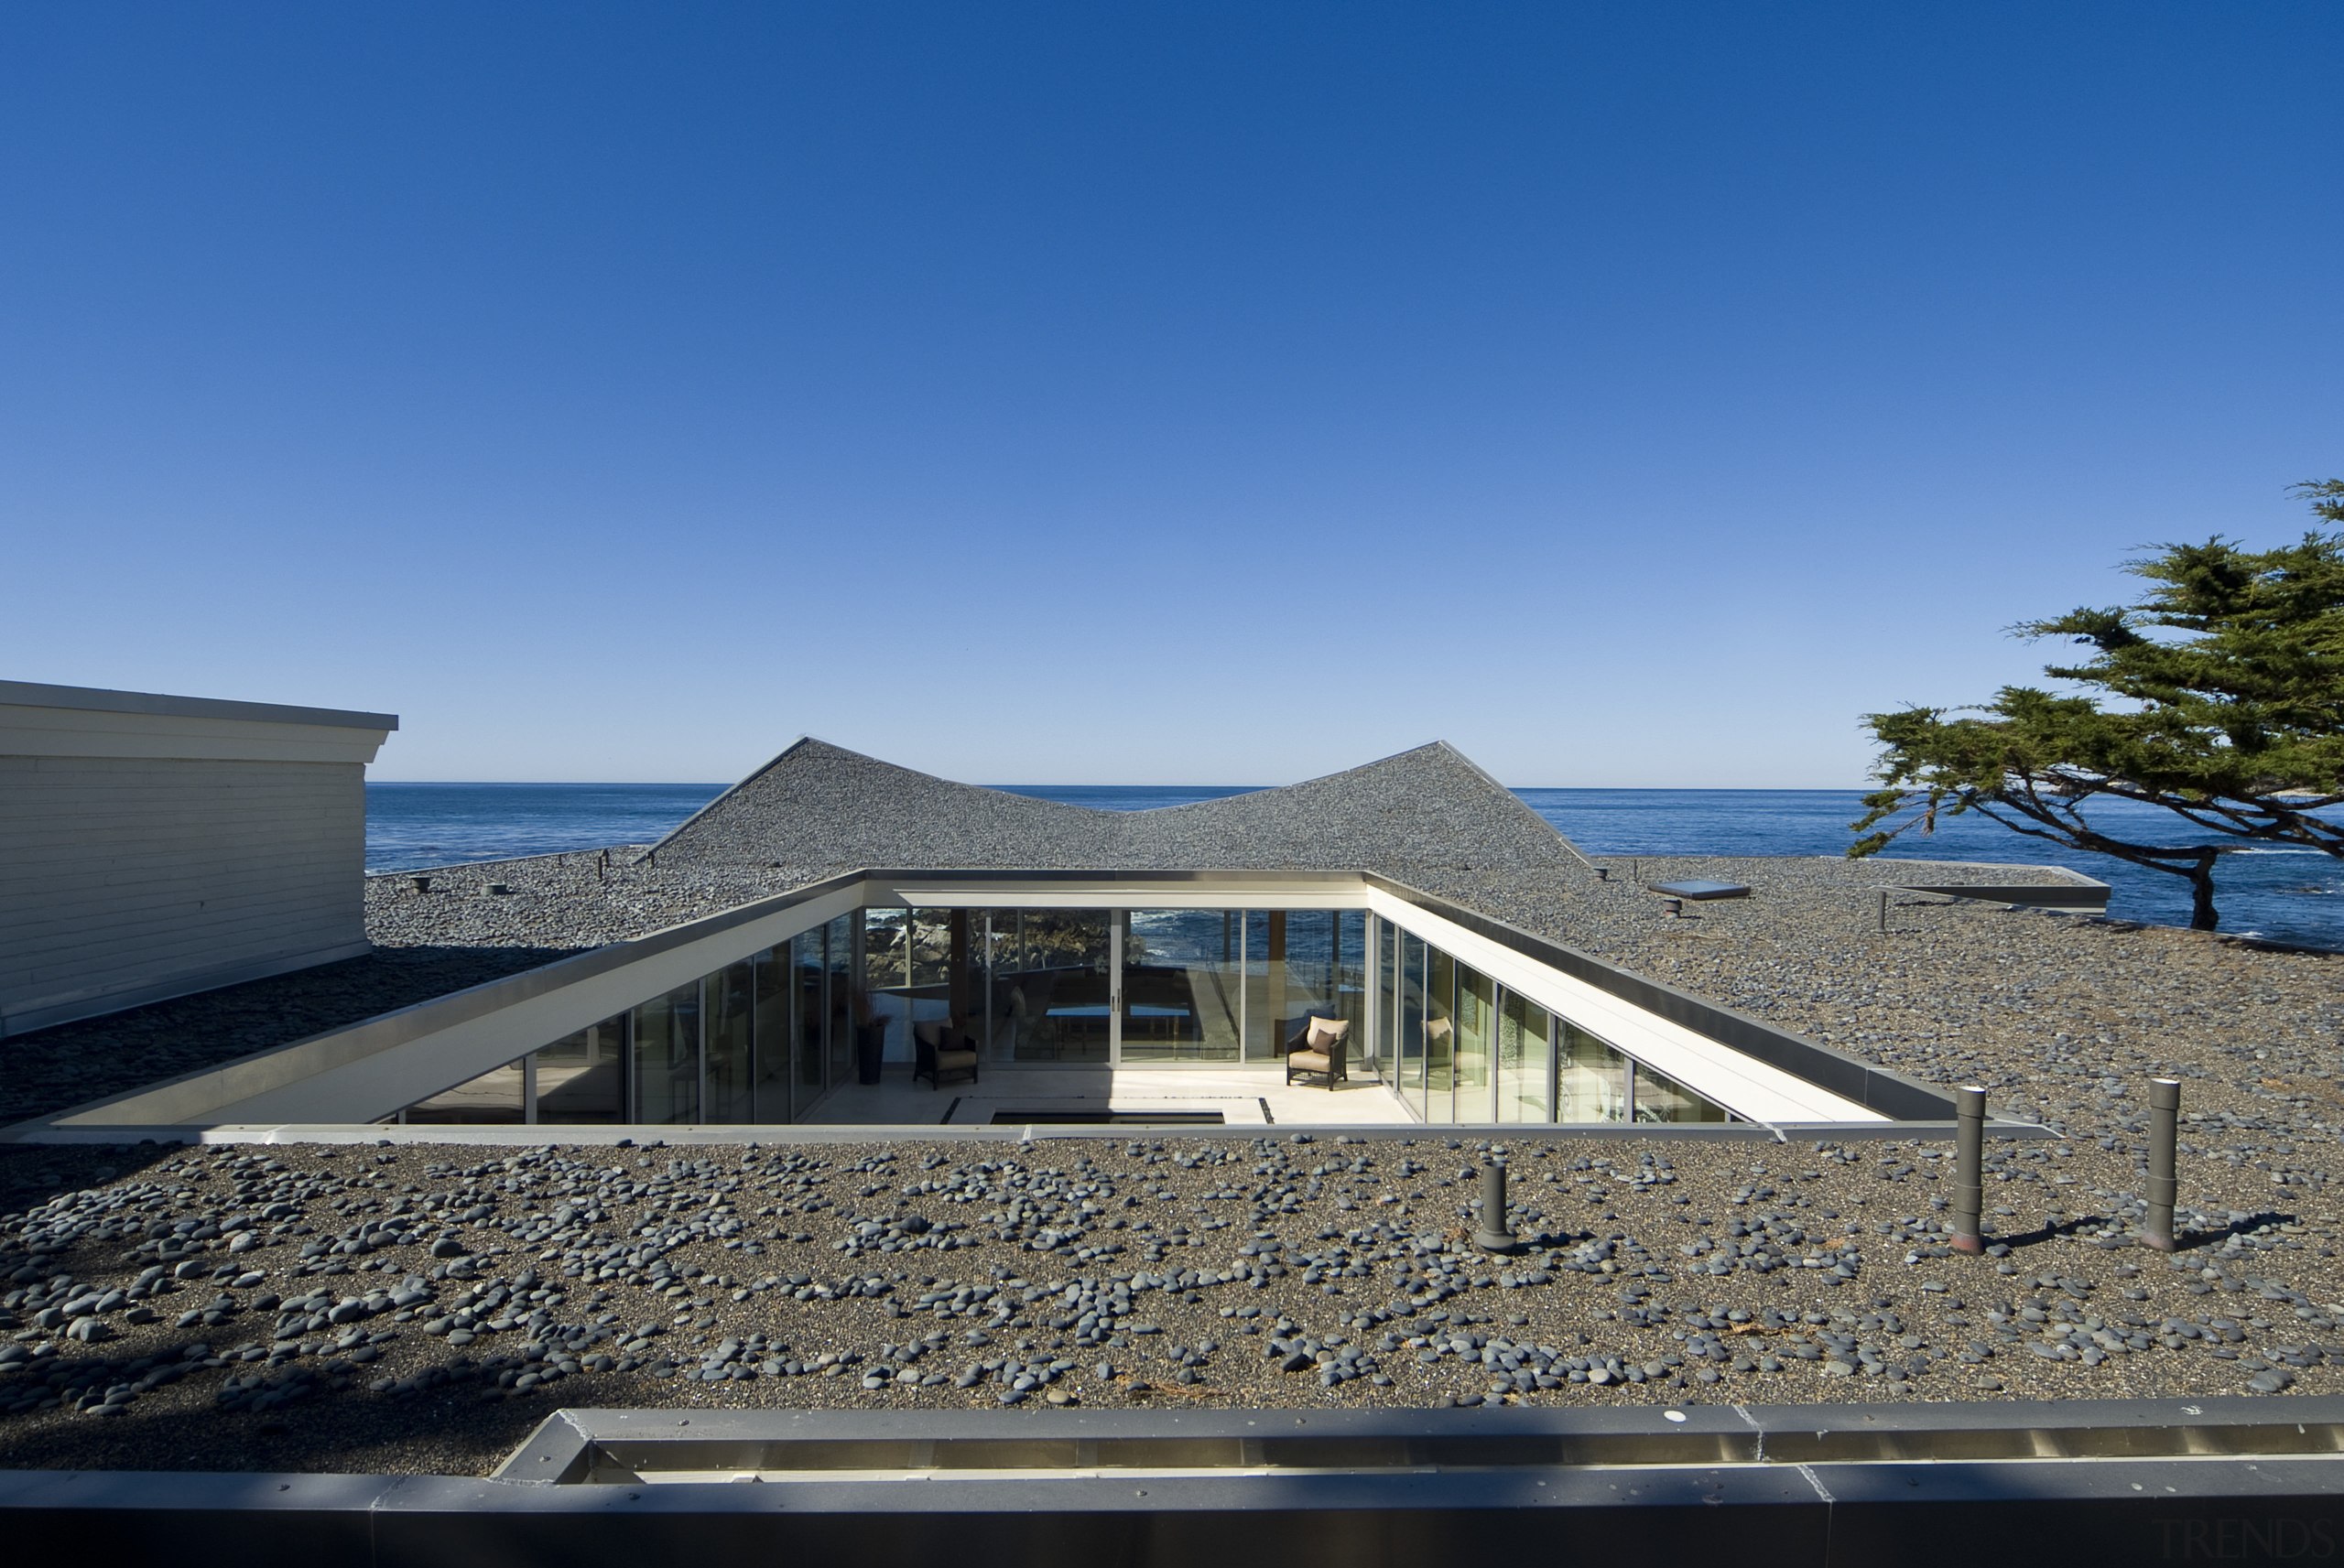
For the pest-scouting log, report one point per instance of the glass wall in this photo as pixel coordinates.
(667, 1058)
(1591, 1080)
(1347, 979)
(1048, 975)
(495, 1098)
(799, 1048)
(766, 1038)
(1658, 1097)
(728, 1003)
(1525, 1054)
(581, 1077)
(887, 977)
(1409, 1015)
(1302, 963)
(776, 1020)
(843, 1006)
(1440, 1036)
(1383, 1049)
(1476, 1023)
(1183, 985)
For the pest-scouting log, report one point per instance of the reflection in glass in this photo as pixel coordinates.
(1181, 979)
(666, 1056)
(1440, 1036)
(1590, 1080)
(1380, 1053)
(1476, 1018)
(887, 977)
(1522, 1060)
(1347, 983)
(1662, 1099)
(493, 1098)
(581, 1077)
(1264, 983)
(839, 1001)
(808, 974)
(774, 1019)
(1050, 985)
(728, 1002)
(1411, 1013)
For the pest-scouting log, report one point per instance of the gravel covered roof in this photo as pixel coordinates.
(507, 1280)
(818, 808)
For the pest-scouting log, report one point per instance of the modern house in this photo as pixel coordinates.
(1091, 966)
(153, 846)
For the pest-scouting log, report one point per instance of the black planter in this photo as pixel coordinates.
(870, 1044)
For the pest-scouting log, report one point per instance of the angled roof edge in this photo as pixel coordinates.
(1520, 805)
(736, 786)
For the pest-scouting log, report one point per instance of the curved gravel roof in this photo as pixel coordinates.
(818, 806)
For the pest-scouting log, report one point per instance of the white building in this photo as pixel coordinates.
(152, 846)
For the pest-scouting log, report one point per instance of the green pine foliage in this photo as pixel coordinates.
(2219, 696)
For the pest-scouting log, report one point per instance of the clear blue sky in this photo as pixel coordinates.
(1632, 395)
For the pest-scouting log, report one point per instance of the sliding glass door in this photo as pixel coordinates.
(1182, 985)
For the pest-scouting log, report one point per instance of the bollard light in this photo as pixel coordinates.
(2164, 1113)
(1968, 1166)
(1493, 1236)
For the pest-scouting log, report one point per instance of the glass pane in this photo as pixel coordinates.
(838, 997)
(1050, 985)
(727, 1000)
(887, 979)
(1293, 971)
(1476, 1020)
(582, 1078)
(1522, 1060)
(931, 947)
(1265, 1001)
(1347, 977)
(666, 1056)
(1411, 1020)
(810, 1017)
(1181, 977)
(1313, 987)
(777, 1028)
(1591, 1080)
(1380, 1053)
(493, 1098)
(998, 952)
(1440, 1035)
(1663, 1099)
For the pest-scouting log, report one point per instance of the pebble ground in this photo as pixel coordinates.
(418, 1308)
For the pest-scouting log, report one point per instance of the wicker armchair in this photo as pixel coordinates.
(938, 1048)
(1321, 1045)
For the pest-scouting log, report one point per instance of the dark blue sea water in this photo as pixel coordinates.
(2284, 895)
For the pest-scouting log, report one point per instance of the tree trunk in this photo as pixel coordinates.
(2201, 893)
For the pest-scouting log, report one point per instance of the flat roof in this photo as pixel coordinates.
(102, 700)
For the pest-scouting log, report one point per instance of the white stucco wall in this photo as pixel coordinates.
(152, 846)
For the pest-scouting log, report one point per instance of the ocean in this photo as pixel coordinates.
(2283, 896)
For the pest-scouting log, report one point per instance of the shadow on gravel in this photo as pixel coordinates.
(32, 1173)
(2189, 1241)
(2051, 1232)
(456, 1432)
(2183, 1241)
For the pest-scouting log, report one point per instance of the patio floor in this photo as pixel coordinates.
(1008, 1096)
